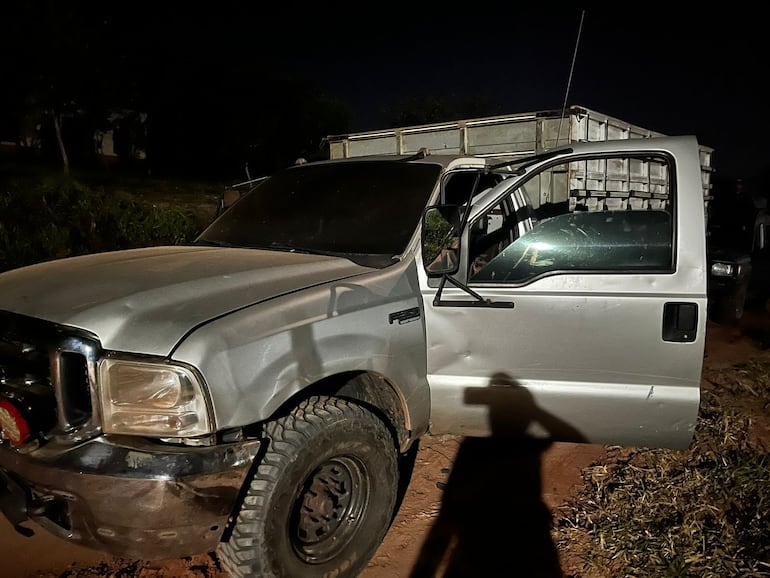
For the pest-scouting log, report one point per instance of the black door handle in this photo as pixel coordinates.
(680, 322)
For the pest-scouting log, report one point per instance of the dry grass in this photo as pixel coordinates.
(703, 512)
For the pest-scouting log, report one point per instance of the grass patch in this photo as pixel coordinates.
(703, 512)
(54, 217)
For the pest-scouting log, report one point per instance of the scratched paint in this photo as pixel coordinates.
(135, 460)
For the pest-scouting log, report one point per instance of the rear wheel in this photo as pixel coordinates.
(321, 499)
(728, 310)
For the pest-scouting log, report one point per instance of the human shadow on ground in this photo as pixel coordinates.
(493, 521)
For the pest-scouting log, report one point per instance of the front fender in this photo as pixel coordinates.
(255, 359)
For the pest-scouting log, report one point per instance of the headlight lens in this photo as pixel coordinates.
(721, 269)
(152, 399)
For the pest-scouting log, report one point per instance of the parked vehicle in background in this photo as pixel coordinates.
(740, 250)
(262, 390)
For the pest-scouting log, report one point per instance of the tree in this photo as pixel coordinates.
(65, 70)
(216, 94)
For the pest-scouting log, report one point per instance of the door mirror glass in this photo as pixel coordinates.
(441, 239)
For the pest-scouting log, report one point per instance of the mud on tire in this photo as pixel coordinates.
(321, 499)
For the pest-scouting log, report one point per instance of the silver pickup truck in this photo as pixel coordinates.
(259, 391)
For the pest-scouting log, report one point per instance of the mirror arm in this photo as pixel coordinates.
(480, 301)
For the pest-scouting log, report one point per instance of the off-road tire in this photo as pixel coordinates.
(321, 499)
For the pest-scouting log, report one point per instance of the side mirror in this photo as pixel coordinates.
(233, 194)
(441, 240)
(228, 199)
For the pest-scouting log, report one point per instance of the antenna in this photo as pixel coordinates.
(569, 81)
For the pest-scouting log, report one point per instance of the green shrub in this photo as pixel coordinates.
(60, 217)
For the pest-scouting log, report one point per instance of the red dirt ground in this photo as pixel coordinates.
(491, 493)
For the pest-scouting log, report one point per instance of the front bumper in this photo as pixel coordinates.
(126, 496)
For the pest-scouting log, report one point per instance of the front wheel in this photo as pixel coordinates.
(321, 499)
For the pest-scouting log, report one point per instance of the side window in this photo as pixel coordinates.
(491, 234)
(595, 215)
(459, 186)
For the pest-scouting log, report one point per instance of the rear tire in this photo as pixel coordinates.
(729, 309)
(321, 499)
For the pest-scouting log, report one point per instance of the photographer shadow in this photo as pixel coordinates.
(493, 521)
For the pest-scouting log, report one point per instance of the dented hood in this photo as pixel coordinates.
(146, 300)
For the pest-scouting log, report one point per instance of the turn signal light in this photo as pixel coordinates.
(13, 426)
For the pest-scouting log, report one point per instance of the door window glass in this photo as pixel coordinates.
(593, 215)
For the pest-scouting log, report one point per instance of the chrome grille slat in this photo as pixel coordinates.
(34, 352)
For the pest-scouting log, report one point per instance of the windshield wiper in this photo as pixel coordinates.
(294, 249)
(209, 243)
(365, 259)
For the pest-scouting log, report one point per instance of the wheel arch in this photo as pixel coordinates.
(371, 389)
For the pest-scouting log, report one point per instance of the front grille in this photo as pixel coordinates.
(48, 371)
(75, 391)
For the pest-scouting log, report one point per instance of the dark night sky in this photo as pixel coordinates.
(695, 71)
(677, 73)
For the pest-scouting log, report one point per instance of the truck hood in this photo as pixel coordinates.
(146, 300)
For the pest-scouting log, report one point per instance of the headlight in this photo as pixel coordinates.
(152, 399)
(722, 269)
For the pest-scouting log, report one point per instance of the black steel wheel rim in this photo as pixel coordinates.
(329, 509)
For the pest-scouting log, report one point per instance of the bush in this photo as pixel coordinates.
(58, 217)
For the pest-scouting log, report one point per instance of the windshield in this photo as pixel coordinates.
(360, 208)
